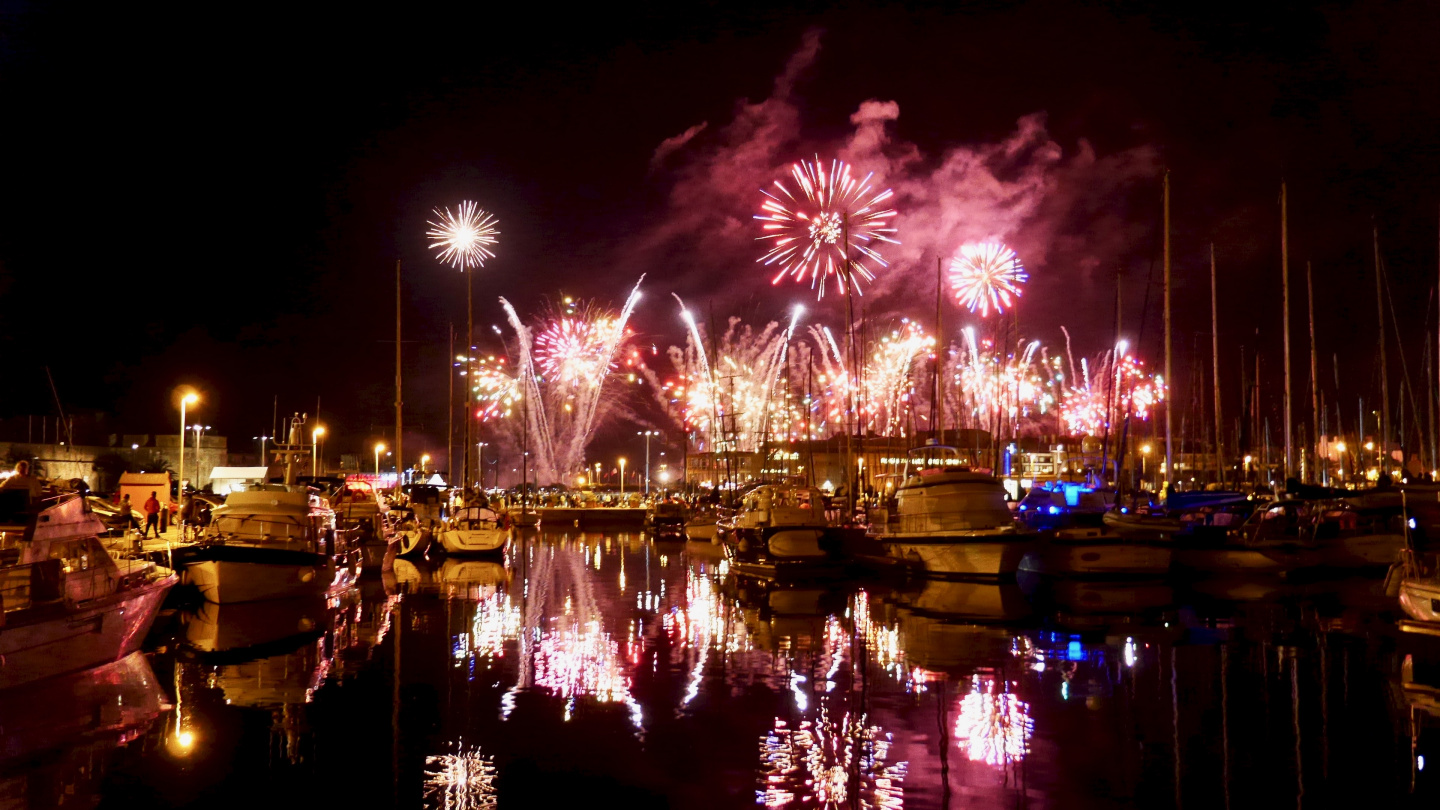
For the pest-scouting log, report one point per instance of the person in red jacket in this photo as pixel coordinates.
(152, 516)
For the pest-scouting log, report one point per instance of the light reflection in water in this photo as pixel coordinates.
(460, 781)
(994, 725)
(813, 763)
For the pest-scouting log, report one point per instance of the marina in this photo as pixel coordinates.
(867, 405)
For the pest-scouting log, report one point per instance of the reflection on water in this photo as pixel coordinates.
(585, 667)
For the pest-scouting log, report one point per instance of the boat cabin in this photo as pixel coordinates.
(782, 505)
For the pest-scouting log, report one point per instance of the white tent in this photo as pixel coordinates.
(224, 479)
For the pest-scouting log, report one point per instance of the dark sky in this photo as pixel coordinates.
(218, 196)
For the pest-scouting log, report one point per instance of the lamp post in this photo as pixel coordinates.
(199, 429)
(622, 477)
(315, 451)
(379, 448)
(424, 465)
(647, 434)
(1144, 462)
(1340, 449)
(188, 399)
(262, 440)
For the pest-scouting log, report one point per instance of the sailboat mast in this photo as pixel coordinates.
(1314, 371)
(937, 407)
(399, 417)
(1285, 321)
(1215, 371)
(1383, 438)
(1169, 377)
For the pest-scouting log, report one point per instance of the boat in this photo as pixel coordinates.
(474, 530)
(954, 522)
(1064, 505)
(1363, 533)
(360, 512)
(415, 524)
(702, 525)
(666, 520)
(1199, 515)
(68, 604)
(272, 541)
(1092, 552)
(782, 530)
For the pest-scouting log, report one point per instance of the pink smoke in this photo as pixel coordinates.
(1065, 213)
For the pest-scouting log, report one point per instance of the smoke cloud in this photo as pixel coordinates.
(1065, 211)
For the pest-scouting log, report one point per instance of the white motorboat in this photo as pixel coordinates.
(954, 522)
(474, 530)
(273, 541)
(782, 529)
(67, 603)
(417, 522)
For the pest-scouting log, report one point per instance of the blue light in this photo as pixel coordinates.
(1074, 652)
(1023, 507)
(1124, 510)
(1054, 510)
(1412, 524)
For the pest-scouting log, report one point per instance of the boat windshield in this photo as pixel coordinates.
(276, 526)
(933, 458)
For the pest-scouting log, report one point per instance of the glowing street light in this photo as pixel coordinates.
(647, 434)
(315, 451)
(622, 477)
(379, 448)
(199, 429)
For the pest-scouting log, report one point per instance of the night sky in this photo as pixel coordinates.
(218, 196)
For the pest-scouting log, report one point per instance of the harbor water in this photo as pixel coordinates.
(588, 669)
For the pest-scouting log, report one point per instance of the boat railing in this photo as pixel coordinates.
(952, 520)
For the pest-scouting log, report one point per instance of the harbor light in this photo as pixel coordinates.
(379, 448)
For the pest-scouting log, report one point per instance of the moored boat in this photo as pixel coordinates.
(474, 530)
(782, 530)
(1097, 553)
(954, 522)
(67, 603)
(272, 541)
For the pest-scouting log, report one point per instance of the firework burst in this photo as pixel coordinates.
(576, 351)
(987, 276)
(828, 218)
(463, 237)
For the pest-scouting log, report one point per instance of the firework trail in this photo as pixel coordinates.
(564, 409)
(1101, 393)
(463, 237)
(741, 391)
(987, 276)
(989, 385)
(887, 387)
(828, 218)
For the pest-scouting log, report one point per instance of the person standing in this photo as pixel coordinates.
(127, 514)
(152, 515)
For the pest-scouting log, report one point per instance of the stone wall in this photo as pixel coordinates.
(99, 466)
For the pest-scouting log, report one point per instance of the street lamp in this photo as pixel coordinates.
(379, 448)
(1144, 462)
(1340, 449)
(199, 429)
(424, 464)
(315, 451)
(622, 477)
(262, 440)
(188, 399)
(647, 434)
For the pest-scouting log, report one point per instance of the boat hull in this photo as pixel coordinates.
(474, 541)
(72, 638)
(1098, 557)
(232, 578)
(415, 542)
(1420, 599)
(961, 556)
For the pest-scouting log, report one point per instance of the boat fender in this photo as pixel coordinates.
(307, 575)
(744, 544)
